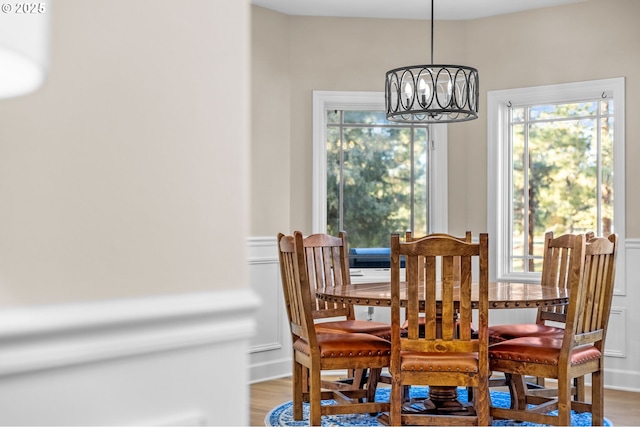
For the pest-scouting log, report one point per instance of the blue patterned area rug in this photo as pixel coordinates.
(283, 415)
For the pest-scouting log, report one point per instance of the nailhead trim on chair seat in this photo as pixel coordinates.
(500, 333)
(460, 362)
(347, 345)
(544, 350)
(379, 329)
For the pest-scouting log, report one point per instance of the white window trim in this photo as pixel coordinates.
(498, 102)
(347, 100)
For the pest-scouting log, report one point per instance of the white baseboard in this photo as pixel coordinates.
(270, 370)
(618, 379)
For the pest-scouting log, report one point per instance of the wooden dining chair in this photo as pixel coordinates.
(556, 266)
(327, 265)
(443, 358)
(315, 351)
(578, 352)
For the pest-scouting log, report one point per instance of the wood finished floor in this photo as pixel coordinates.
(622, 408)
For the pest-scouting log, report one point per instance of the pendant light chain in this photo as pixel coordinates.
(432, 31)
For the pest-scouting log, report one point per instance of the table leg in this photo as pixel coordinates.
(442, 400)
(445, 401)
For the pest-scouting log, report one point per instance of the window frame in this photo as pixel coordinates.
(373, 101)
(498, 164)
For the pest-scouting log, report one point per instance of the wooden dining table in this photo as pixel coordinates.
(502, 295)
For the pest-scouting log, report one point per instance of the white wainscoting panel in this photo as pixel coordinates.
(168, 360)
(622, 364)
(270, 351)
(615, 345)
(264, 277)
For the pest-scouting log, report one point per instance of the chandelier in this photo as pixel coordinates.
(431, 93)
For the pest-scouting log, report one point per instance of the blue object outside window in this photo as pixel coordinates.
(371, 258)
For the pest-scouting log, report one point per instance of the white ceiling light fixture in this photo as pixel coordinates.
(24, 47)
(432, 93)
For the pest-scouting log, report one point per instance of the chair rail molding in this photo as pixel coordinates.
(153, 358)
(49, 337)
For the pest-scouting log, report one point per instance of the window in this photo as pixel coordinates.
(373, 177)
(556, 163)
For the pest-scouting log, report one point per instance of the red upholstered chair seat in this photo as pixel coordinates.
(346, 345)
(544, 350)
(499, 333)
(379, 329)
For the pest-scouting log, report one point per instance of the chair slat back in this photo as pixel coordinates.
(590, 316)
(327, 264)
(295, 288)
(421, 266)
(443, 298)
(556, 271)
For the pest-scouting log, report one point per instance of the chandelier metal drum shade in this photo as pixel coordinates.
(432, 93)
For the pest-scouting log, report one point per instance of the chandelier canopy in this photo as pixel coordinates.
(432, 93)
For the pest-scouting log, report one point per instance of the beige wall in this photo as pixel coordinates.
(127, 173)
(587, 40)
(271, 123)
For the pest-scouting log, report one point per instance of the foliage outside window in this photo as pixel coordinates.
(377, 177)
